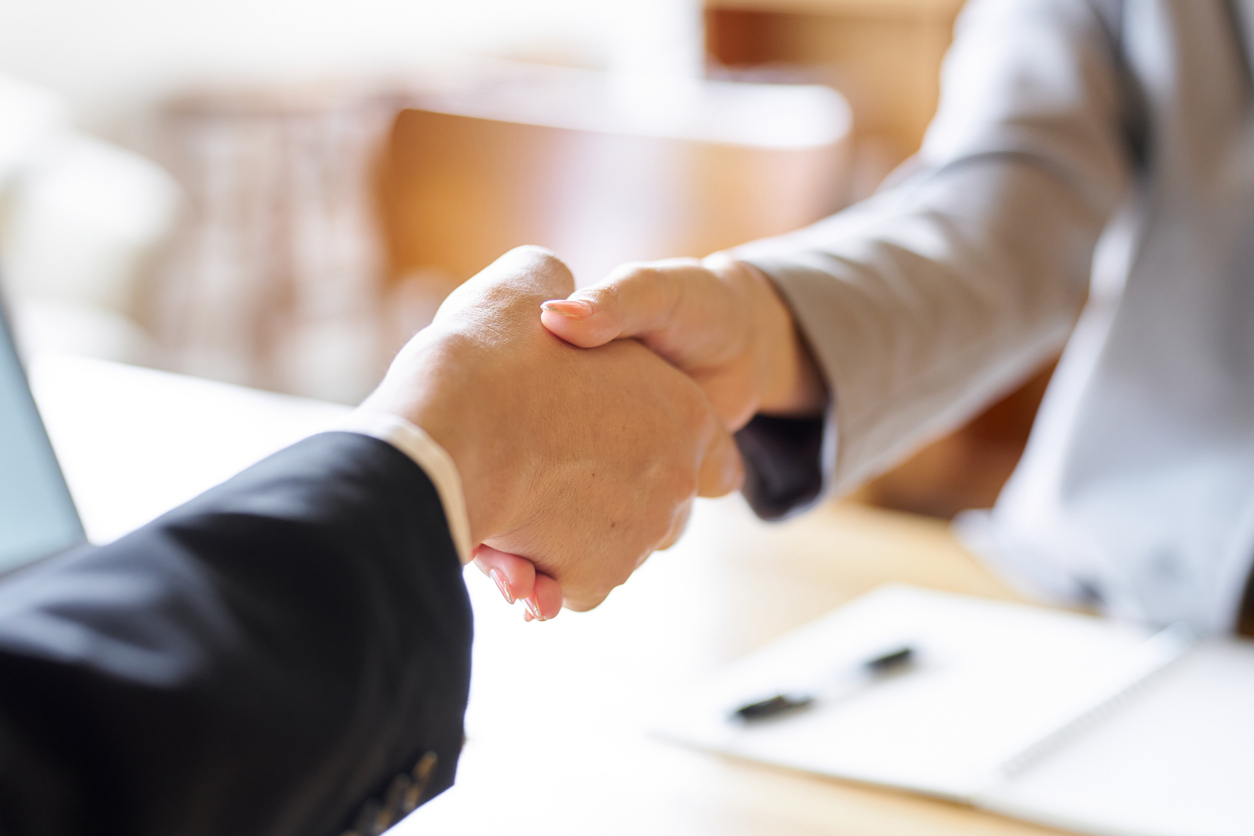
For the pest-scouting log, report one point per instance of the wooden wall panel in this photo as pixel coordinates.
(463, 189)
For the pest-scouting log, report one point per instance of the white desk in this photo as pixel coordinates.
(134, 443)
(557, 709)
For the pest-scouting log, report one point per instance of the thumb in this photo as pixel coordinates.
(636, 300)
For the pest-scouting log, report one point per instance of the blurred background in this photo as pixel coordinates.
(278, 193)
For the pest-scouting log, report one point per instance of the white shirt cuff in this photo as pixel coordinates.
(431, 457)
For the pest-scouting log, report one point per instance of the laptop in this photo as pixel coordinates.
(37, 513)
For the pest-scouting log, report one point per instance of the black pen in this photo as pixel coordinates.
(869, 671)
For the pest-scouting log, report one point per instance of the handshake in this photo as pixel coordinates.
(584, 424)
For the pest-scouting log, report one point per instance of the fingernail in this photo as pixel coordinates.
(533, 609)
(502, 584)
(527, 619)
(569, 308)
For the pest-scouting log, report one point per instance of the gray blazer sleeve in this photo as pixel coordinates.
(969, 268)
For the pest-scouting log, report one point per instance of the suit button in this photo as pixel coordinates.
(373, 819)
(397, 796)
(422, 772)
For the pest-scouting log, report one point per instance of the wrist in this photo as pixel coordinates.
(787, 376)
(430, 456)
(432, 384)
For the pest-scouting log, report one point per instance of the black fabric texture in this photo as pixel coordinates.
(260, 660)
(783, 471)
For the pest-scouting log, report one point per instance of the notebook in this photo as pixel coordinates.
(1062, 719)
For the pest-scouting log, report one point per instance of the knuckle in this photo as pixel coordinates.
(660, 530)
(582, 603)
(674, 485)
(630, 269)
(597, 595)
(535, 251)
(605, 295)
(689, 484)
(655, 282)
(643, 278)
(668, 520)
(543, 259)
(694, 409)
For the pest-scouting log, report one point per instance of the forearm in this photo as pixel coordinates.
(789, 382)
(928, 313)
(927, 301)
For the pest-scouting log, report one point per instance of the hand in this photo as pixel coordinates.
(720, 321)
(582, 462)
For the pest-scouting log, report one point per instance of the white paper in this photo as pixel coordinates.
(1175, 759)
(986, 671)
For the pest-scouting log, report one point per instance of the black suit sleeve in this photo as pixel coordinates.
(783, 471)
(264, 659)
